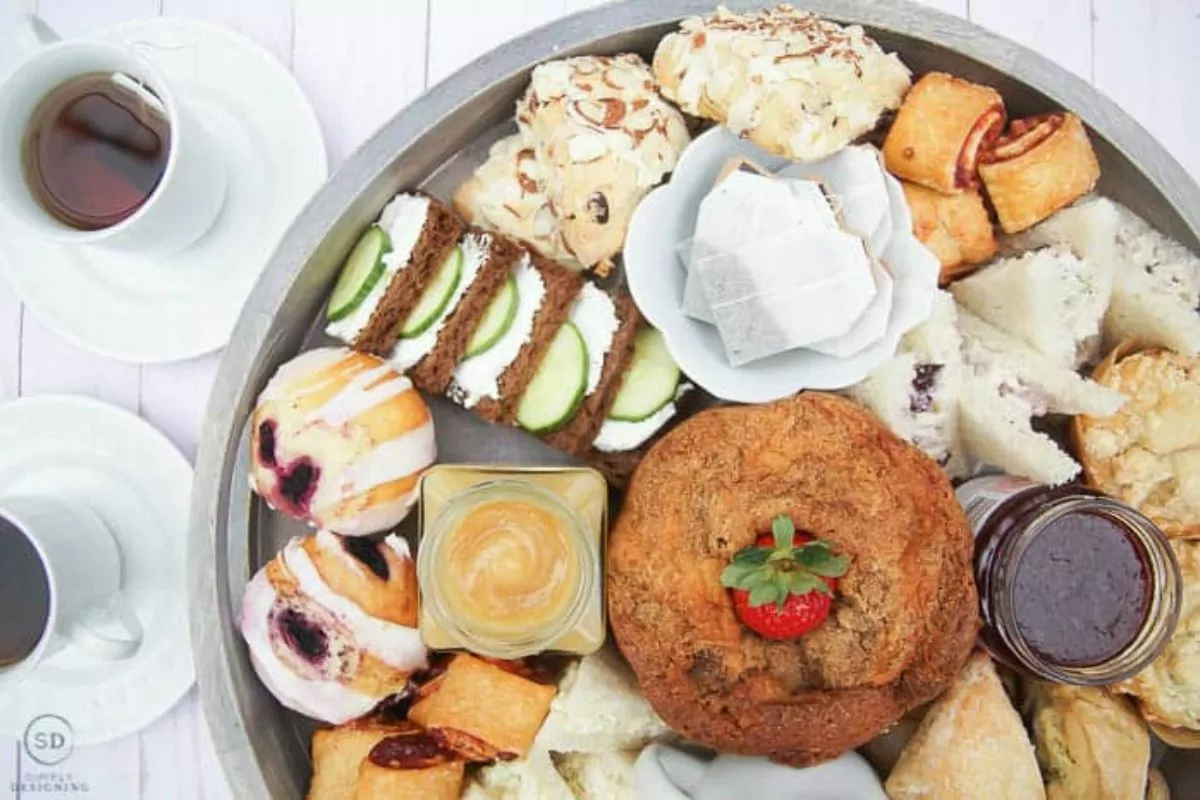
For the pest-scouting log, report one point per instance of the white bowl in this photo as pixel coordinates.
(656, 276)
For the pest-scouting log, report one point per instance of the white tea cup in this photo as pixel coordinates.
(60, 585)
(188, 196)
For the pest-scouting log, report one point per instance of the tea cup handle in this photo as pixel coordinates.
(111, 632)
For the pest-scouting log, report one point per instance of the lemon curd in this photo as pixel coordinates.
(509, 561)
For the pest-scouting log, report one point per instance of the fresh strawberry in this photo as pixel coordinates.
(782, 586)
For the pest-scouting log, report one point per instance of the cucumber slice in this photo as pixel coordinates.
(360, 273)
(556, 390)
(433, 302)
(650, 382)
(497, 319)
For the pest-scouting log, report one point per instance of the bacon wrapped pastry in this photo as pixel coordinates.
(1041, 165)
(955, 227)
(481, 711)
(940, 131)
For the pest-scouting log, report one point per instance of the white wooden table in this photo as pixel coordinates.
(361, 61)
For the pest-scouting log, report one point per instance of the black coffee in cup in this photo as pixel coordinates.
(95, 149)
(24, 595)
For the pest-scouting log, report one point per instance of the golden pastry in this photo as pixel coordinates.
(1156, 786)
(1041, 165)
(1147, 455)
(371, 758)
(955, 227)
(482, 711)
(796, 85)
(1090, 744)
(971, 745)
(603, 138)
(940, 131)
(1168, 691)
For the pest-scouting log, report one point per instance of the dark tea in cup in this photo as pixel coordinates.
(24, 595)
(96, 148)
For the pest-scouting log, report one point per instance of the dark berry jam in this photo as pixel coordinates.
(1081, 590)
(303, 635)
(266, 443)
(297, 484)
(368, 553)
(924, 376)
(1074, 587)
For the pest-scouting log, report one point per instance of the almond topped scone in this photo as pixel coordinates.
(603, 137)
(1148, 454)
(792, 83)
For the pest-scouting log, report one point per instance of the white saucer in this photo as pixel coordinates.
(131, 309)
(140, 484)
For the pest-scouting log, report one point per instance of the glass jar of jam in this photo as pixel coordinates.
(508, 568)
(1074, 587)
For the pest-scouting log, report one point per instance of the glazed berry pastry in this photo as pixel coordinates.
(340, 440)
(331, 624)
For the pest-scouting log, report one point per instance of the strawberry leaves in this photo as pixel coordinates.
(770, 574)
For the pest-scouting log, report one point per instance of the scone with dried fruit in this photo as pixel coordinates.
(1148, 454)
(603, 137)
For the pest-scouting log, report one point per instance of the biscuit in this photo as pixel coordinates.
(1168, 691)
(1147, 455)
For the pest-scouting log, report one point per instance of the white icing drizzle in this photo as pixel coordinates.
(396, 645)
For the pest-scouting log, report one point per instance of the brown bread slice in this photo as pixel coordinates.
(580, 431)
(562, 287)
(441, 233)
(432, 374)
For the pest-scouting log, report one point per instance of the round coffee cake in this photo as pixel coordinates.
(905, 616)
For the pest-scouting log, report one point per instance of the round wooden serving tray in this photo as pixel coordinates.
(434, 144)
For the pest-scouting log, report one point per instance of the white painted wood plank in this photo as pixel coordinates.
(10, 342)
(50, 364)
(360, 61)
(177, 756)
(268, 22)
(453, 44)
(80, 17)
(173, 397)
(1147, 59)
(1058, 29)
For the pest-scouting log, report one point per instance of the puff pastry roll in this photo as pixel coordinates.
(1041, 165)
(410, 764)
(940, 131)
(955, 227)
(372, 758)
(482, 711)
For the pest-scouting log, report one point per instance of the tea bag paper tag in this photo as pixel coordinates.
(47, 764)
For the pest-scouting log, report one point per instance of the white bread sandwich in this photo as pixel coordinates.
(599, 709)
(1157, 295)
(1156, 289)
(916, 391)
(600, 776)
(531, 778)
(996, 430)
(1013, 368)
(1049, 298)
